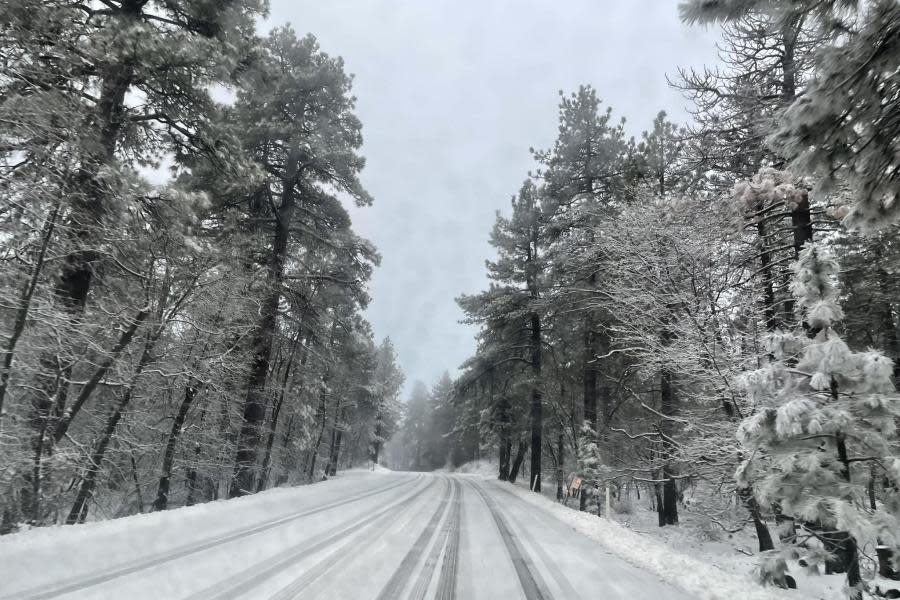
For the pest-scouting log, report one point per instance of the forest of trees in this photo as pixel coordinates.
(180, 285)
(711, 307)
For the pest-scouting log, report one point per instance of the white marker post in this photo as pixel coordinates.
(607, 501)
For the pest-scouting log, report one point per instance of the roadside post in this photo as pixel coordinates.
(607, 501)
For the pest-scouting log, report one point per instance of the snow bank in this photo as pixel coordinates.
(484, 468)
(215, 517)
(704, 581)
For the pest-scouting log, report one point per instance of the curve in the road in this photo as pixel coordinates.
(80, 583)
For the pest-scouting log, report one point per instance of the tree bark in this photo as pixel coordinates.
(590, 373)
(517, 462)
(92, 470)
(505, 441)
(322, 418)
(162, 491)
(276, 413)
(536, 404)
(668, 407)
(254, 413)
(560, 466)
(762, 530)
(337, 439)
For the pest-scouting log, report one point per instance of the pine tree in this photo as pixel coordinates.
(295, 118)
(843, 129)
(511, 309)
(385, 390)
(824, 413)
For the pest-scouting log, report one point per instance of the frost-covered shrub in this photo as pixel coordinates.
(707, 531)
(624, 505)
(590, 465)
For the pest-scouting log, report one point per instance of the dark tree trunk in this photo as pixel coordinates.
(331, 448)
(801, 223)
(517, 462)
(80, 508)
(321, 417)
(192, 486)
(336, 445)
(536, 404)
(660, 513)
(505, 458)
(668, 407)
(842, 544)
(276, 413)
(162, 490)
(137, 484)
(670, 500)
(560, 466)
(270, 443)
(376, 443)
(291, 461)
(92, 470)
(254, 413)
(505, 441)
(590, 373)
(770, 308)
(762, 530)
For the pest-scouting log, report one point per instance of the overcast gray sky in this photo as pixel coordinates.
(452, 93)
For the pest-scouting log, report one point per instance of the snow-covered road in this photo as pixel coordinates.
(363, 535)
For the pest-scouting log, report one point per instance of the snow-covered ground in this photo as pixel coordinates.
(690, 566)
(696, 555)
(362, 535)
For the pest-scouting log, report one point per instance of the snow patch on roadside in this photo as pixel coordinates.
(704, 581)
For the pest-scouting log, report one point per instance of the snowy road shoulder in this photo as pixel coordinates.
(47, 562)
(701, 580)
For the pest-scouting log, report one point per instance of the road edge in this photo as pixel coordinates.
(703, 581)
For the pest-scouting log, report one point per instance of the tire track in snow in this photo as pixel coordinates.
(402, 575)
(549, 563)
(245, 580)
(446, 586)
(450, 523)
(79, 583)
(353, 548)
(532, 583)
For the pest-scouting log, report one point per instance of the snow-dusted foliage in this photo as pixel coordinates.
(170, 338)
(591, 469)
(824, 425)
(769, 187)
(843, 128)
